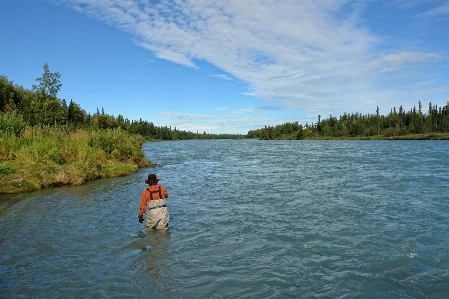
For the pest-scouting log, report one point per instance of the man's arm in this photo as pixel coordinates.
(143, 202)
(164, 192)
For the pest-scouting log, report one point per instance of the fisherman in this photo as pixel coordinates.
(154, 201)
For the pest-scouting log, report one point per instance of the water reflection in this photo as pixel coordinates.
(154, 250)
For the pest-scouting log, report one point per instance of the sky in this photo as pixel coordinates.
(231, 66)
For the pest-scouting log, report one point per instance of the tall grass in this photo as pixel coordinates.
(48, 156)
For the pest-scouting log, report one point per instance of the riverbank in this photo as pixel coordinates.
(49, 157)
(19, 177)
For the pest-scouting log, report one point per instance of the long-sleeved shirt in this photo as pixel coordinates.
(145, 197)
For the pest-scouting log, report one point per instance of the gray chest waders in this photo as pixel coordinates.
(157, 214)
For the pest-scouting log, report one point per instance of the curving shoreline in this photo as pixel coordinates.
(38, 176)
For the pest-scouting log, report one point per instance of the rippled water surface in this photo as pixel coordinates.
(249, 219)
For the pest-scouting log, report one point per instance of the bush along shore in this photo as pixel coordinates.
(54, 156)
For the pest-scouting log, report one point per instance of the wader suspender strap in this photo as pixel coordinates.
(151, 193)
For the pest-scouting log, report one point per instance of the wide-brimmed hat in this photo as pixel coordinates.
(151, 179)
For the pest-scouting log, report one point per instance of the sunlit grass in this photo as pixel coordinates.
(52, 156)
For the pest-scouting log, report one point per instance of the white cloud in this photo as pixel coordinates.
(183, 116)
(231, 122)
(311, 55)
(221, 76)
(257, 109)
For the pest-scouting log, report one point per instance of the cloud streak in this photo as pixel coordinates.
(229, 121)
(221, 76)
(310, 55)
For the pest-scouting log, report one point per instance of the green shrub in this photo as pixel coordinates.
(12, 123)
(7, 170)
(56, 156)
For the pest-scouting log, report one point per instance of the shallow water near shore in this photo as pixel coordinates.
(249, 219)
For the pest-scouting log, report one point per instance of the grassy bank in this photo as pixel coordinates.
(44, 157)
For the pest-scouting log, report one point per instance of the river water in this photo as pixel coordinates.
(249, 219)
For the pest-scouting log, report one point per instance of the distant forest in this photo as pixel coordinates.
(396, 123)
(40, 106)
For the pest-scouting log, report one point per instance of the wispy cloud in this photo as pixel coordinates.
(311, 55)
(230, 124)
(189, 122)
(221, 76)
(184, 116)
(396, 61)
(257, 109)
(229, 121)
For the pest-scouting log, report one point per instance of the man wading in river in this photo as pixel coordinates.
(154, 201)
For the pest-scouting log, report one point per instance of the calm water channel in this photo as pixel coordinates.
(249, 219)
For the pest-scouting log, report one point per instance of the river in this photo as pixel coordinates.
(249, 219)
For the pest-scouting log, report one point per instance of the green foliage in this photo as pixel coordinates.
(49, 84)
(56, 145)
(11, 123)
(55, 155)
(75, 115)
(395, 124)
(117, 143)
(4, 170)
(289, 131)
(8, 96)
(301, 134)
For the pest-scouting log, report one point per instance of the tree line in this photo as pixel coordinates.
(396, 123)
(41, 106)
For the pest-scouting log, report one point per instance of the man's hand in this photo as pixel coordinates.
(140, 218)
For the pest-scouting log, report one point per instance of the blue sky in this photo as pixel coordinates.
(231, 66)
